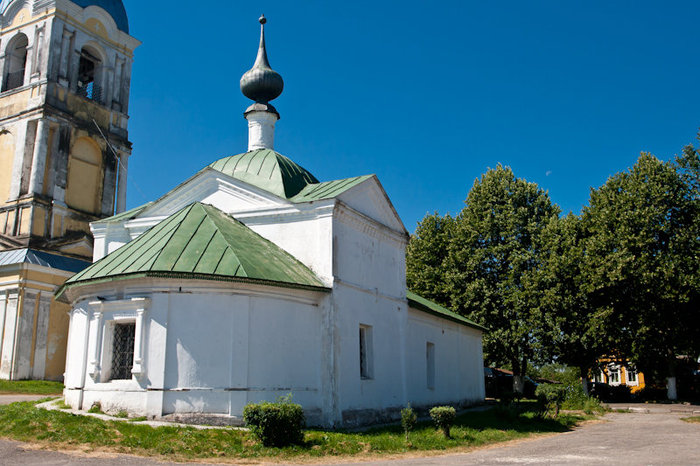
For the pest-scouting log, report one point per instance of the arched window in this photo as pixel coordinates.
(89, 75)
(84, 185)
(15, 62)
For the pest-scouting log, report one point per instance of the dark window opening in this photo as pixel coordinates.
(366, 352)
(123, 351)
(87, 76)
(17, 63)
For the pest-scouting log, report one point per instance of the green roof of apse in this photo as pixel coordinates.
(425, 305)
(200, 242)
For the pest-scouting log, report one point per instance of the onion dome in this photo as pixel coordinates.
(261, 83)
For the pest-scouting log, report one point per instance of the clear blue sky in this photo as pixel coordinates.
(426, 94)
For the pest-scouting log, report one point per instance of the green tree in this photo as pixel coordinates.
(494, 249)
(642, 262)
(570, 329)
(425, 257)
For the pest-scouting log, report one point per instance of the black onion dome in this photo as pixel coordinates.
(261, 83)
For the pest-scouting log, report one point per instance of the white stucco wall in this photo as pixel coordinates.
(207, 351)
(214, 348)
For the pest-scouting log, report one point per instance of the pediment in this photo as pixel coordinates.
(214, 188)
(370, 199)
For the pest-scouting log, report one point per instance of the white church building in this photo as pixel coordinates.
(252, 280)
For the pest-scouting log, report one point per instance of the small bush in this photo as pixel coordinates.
(593, 406)
(444, 417)
(96, 408)
(408, 419)
(276, 424)
(551, 396)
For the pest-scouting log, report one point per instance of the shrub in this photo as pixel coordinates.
(444, 417)
(593, 405)
(276, 424)
(408, 419)
(551, 396)
(96, 408)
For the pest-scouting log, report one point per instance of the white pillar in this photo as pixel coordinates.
(137, 368)
(261, 130)
(36, 177)
(121, 189)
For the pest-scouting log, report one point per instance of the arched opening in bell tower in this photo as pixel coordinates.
(89, 74)
(16, 62)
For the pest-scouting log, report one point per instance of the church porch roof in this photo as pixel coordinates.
(200, 242)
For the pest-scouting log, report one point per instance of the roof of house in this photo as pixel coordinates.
(418, 302)
(201, 242)
(42, 258)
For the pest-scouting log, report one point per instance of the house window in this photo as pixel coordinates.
(123, 350)
(631, 376)
(614, 376)
(366, 369)
(430, 360)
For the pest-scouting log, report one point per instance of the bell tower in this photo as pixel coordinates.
(65, 69)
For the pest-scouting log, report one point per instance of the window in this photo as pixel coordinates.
(631, 376)
(366, 369)
(123, 350)
(430, 360)
(16, 59)
(614, 375)
(88, 71)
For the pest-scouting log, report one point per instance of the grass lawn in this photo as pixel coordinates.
(25, 422)
(695, 419)
(31, 387)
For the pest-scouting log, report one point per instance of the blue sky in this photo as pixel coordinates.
(427, 95)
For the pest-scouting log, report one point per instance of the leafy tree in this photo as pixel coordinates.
(494, 248)
(570, 328)
(425, 257)
(641, 262)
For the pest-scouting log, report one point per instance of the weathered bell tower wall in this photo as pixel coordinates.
(65, 72)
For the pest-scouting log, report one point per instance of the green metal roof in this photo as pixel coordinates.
(127, 215)
(267, 170)
(328, 189)
(425, 305)
(200, 242)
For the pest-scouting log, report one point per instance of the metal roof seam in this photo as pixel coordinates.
(128, 252)
(182, 251)
(206, 247)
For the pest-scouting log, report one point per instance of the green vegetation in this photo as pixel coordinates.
(25, 422)
(694, 419)
(409, 419)
(96, 408)
(479, 263)
(551, 396)
(31, 387)
(276, 424)
(443, 417)
(614, 281)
